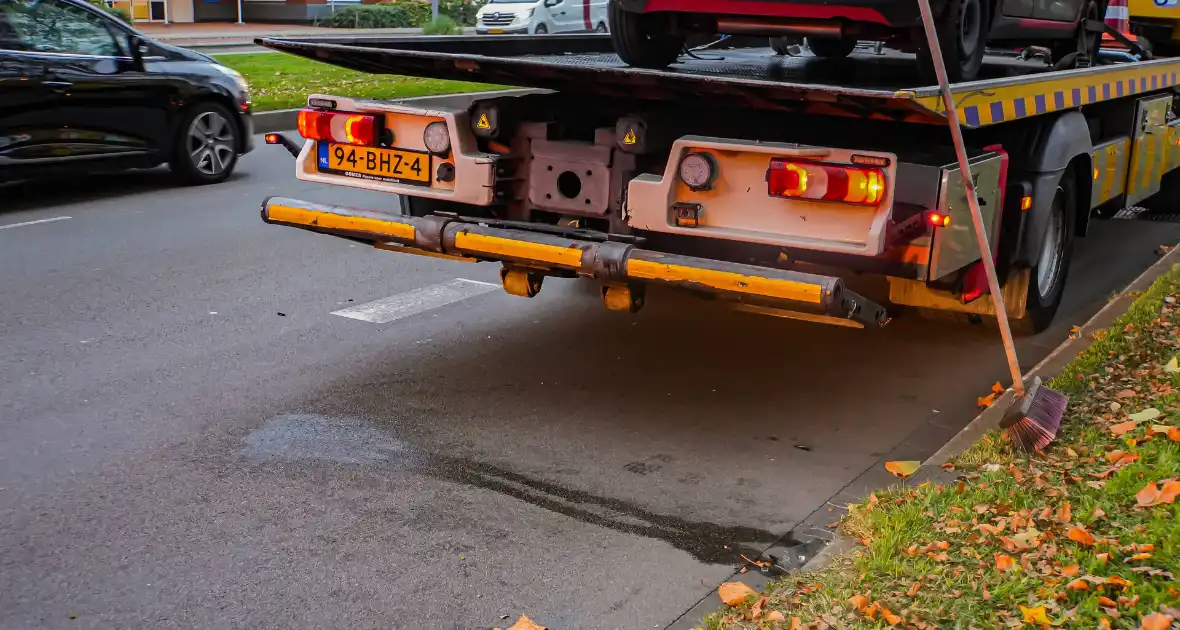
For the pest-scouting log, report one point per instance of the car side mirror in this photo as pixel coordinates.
(139, 49)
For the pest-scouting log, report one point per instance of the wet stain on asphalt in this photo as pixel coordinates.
(349, 441)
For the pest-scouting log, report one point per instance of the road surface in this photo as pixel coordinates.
(189, 437)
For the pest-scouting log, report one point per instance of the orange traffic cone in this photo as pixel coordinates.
(1118, 17)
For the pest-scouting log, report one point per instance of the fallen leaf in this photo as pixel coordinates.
(1102, 557)
(1172, 366)
(1080, 536)
(997, 388)
(1118, 581)
(1075, 332)
(734, 593)
(1156, 621)
(1097, 513)
(939, 557)
(914, 589)
(1148, 495)
(1106, 601)
(1157, 429)
(774, 616)
(902, 469)
(524, 623)
(1064, 514)
(1078, 585)
(756, 609)
(859, 602)
(889, 617)
(1139, 556)
(1126, 393)
(983, 402)
(1070, 571)
(1122, 428)
(1034, 615)
(1151, 413)
(1174, 434)
(1169, 492)
(1004, 562)
(1104, 624)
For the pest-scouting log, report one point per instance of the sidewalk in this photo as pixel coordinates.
(228, 34)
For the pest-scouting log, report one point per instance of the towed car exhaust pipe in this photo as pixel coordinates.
(738, 25)
(528, 255)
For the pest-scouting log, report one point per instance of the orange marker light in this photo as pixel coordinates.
(1095, 173)
(1025, 203)
(938, 220)
(272, 138)
(1178, 142)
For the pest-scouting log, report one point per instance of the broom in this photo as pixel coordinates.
(1035, 415)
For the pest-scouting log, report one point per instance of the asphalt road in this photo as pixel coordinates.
(190, 438)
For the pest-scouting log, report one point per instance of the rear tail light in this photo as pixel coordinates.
(802, 179)
(342, 127)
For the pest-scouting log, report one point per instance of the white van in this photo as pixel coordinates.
(540, 17)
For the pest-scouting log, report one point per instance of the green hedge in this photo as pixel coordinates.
(402, 14)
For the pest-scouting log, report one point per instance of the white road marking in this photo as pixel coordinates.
(417, 301)
(16, 225)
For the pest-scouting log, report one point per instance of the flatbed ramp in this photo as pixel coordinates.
(865, 85)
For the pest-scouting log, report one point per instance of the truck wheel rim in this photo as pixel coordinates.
(211, 143)
(969, 27)
(1051, 254)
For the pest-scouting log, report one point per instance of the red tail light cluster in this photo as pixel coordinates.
(342, 127)
(802, 179)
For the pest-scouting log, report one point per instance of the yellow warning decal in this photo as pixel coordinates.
(483, 122)
(630, 138)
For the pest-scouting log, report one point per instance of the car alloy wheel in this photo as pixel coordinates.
(211, 143)
(970, 27)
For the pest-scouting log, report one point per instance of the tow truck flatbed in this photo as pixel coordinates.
(866, 85)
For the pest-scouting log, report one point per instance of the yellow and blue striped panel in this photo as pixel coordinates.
(1110, 170)
(982, 104)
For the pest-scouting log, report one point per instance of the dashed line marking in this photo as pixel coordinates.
(428, 298)
(16, 225)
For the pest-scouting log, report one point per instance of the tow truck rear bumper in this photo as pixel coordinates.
(582, 253)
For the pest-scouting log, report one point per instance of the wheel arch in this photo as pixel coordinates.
(1063, 146)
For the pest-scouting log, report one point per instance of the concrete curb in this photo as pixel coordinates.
(876, 477)
(285, 119)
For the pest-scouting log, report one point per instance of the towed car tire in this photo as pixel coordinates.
(961, 29)
(206, 146)
(643, 39)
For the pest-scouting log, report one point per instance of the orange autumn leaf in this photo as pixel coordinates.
(1102, 557)
(1174, 434)
(1004, 562)
(1118, 581)
(889, 617)
(1122, 427)
(734, 593)
(1104, 624)
(756, 609)
(939, 557)
(1169, 492)
(524, 623)
(774, 616)
(1080, 536)
(1078, 585)
(1064, 514)
(1139, 556)
(997, 388)
(983, 402)
(902, 469)
(1156, 621)
(1148, 495)
(913, 591)
(1070, 571)
(1106, 601)
(859, 602)
(1122, 458)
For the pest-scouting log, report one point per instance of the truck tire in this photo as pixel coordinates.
(1047, 282)
(643, 40)
(782, 45)
(961, 29)
(832, 48)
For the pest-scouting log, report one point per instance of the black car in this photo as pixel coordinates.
(82, 91)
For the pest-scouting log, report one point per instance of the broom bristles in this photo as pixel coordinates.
(1034, 424)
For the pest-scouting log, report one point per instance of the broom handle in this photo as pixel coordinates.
(985, 250)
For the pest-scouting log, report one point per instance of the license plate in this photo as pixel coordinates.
(386, 165)
(496, 31)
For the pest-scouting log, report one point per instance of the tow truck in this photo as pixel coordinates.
(777, 183)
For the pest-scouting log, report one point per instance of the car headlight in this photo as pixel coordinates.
(530, 13)
(233, 74)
